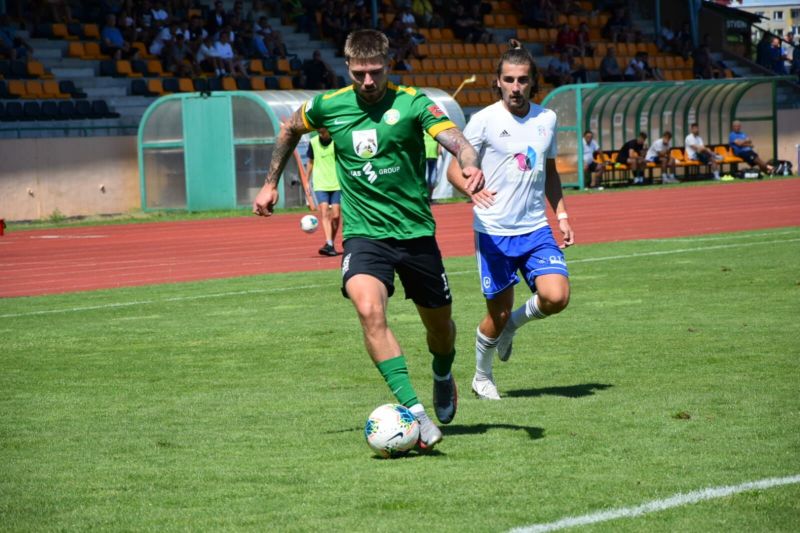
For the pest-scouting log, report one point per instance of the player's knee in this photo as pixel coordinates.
(371, 314)
(554, 301)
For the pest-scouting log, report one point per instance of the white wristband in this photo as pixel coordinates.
(562, 216)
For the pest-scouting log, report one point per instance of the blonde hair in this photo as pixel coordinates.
(366, 44)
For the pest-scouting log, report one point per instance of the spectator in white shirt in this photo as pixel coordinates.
(205, 58)
(696, 150)
(229, 63)
(659, 153)
(164, 37)
(591, 166)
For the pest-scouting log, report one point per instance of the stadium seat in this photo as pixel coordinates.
(285, 83)
(91, 50)
(257, 83)
(66, 110)
(60, 31)
(155, 68)
(139, 88)
(185, 85)
(51, 90)
(91, 31)
(49, 110)
(256, 66)
(4, 94)
(156, 87)
(100, 110)
(272, 83)
(19, 69)
(76, 49)
(171, 85)
(107, 68)
(124, 68)
(68, 87)
(200, 85)
(31, 111)
(16, 88)
(228, 84)
(143, 52)
(83, 109)
(214, 84)
(282, 66)
(139, 67)
(243, 84)
(13, 112)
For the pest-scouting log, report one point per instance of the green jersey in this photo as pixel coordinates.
(380, 156)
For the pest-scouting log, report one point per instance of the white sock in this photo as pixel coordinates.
(484, 354)
(329, 243)
(716, 173)
(417, 409)
(525, 313)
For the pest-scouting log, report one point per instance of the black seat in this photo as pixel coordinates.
(31, 111)
(270, 64)
(13, 111)
(108, 68)
(137, 65)
(272, 83)
(68, 87)
(19, 69)
(100, 110)
(4, 91)
(171, 85)
(243, 84)
(49, 110)
(200, 85)
(5, 68)
(66, 110)
(83, 109)
(214, 84)
(139, 88)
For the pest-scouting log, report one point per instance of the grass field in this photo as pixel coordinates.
(239, 404)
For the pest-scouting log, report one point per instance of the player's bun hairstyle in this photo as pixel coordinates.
(366, 44)
(518, 55)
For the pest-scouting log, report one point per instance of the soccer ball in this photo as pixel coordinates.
(309, 223)
(391, 430)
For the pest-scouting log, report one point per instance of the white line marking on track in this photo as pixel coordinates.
(659, 505)
(304, 287)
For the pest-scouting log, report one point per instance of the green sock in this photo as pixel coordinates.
(395, 372)
(443, 363)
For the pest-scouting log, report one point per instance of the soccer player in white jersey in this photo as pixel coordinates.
(517, 143)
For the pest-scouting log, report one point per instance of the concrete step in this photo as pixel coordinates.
(72, 73)
(105, 92)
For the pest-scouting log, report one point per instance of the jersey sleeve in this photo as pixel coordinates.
(431, 116)
(312, 112)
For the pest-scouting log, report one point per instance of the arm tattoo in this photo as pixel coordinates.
(454, 142)
(288, 137)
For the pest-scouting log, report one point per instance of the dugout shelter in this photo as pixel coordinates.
(201, 151)
(618, 112)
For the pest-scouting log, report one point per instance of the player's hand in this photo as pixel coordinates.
(266, 200)
(567, 233)
(473, 177)
(483, 198)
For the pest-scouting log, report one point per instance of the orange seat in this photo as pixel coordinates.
(155, 86)
(91, 50)
(155, 68)
(143, 52)
(185, 85)
(447, 34)
(284, 82)
(257, 83)
(16, 88)
(283, 65)
(33, 89)
(51, 90)
(462, 64)
(60, 31)
(36, 69)
(124, 68)
(228, 84)
(256, 67)
(75, 49)
(91, 31)
(458, 50)
(470, 50)
(436, 33)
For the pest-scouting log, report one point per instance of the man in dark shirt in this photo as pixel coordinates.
(632, 154)
(318, 75)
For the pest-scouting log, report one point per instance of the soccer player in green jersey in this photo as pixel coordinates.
(388, 225)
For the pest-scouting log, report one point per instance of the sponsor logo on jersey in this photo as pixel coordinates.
(504, 133)
(346, 264)
(436, 111)
(487, 282)
(391, 117)
(526, 161)
(556, 260)
(369, 172)
(365, 143)
(542, 131)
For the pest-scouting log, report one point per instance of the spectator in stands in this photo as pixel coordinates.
(632, 154)
(566, 40)
(334, 24)
(701, 63)
(659, 153)
(60, 11)
(639, 70)
(262, 27)
(467, 28)
(159, 14)
(245, 45)
(742, 146)
(401, 45)
(217, 18)
(275, 44)
(197, 33)
(585, 47)
(777, 56)
(562, 70)
(666, 41)
(696, 150)
(229, 62)
(163, 38)
(317, 73)
(795, 65)
(763, 49)
(113, 43)
(617, 26)
(264, 9)
(609, 66)
(178, 57)
(592, 167)
(205, 59)
(423, 12)
(12, 45)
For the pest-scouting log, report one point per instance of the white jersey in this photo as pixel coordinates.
(513, 153)
(692, 140)
(656, 149)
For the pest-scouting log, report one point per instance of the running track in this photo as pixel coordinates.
(80, 259)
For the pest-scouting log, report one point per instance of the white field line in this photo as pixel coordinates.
(304, 287)
(659, 505)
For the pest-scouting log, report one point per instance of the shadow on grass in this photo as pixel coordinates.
(476, 429)
(571, 391)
